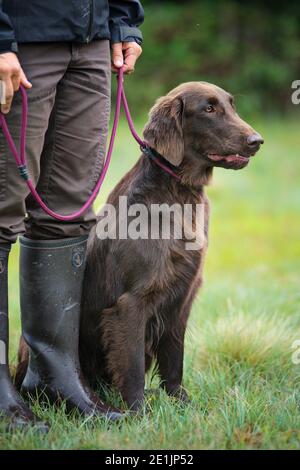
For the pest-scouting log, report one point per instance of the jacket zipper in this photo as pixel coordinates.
(91, 20)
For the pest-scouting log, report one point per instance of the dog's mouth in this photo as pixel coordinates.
(236, 161)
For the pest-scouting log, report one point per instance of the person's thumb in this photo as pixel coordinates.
(24, 81)
(117, 55)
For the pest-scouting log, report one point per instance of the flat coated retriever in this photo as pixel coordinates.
(138, 293)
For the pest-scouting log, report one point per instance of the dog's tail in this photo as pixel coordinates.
(23, 360)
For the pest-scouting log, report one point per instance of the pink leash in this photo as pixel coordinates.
(21, 162)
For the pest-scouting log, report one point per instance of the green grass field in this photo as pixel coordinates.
(238, 368)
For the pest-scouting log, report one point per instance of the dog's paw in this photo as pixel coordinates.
(181, 395)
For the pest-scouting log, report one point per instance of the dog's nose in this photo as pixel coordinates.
(255, 140)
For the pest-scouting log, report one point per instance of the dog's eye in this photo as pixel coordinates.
(209, 109)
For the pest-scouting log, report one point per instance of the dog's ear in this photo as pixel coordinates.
(163, 132)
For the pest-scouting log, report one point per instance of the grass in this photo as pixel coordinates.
(243, 385)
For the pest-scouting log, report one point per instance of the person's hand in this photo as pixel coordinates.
(125, 53)
(12, 76)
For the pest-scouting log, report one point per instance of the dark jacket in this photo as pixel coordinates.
(68, 20)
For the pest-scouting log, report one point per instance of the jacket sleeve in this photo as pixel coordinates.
(7, 36)
(124, 19)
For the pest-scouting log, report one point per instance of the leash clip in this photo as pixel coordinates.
(147, 151)
(23, 172)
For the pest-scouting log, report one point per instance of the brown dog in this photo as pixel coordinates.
(138, 293)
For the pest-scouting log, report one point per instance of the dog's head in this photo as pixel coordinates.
(196, 126)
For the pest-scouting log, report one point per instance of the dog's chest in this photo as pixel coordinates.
(182, 256)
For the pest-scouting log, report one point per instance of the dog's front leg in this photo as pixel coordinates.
(133, 380)
(170, 364)
(123, 334)
(170, 350)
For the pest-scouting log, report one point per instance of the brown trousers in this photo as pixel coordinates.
(69, 107)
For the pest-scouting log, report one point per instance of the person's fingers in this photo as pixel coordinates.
(12, 71)
(2, 92)
(129, 60)
(12, 75)
(15, 81)
(132, 52)
(125, 54)
(117, 55)
(23, 80)
(9, 93)
(114, 69)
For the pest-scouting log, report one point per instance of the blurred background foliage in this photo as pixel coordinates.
(251, 48)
